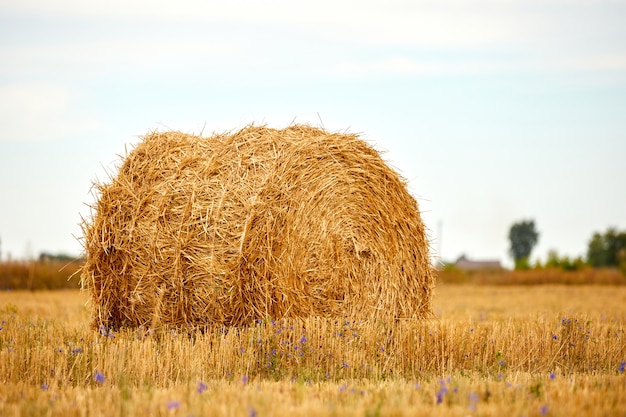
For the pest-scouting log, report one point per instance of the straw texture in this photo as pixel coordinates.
(262, 223)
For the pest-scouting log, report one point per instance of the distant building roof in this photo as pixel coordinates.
(464, 263)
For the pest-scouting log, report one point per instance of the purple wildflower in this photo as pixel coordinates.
(343, 387)
(552, 375)
(201, 387)
(441, 393)
(44, 387)
(173, 405)
(473, 400)
(245, 379)
(303, 339)
(252, 412)
(544, 409)
(99, 378)
(622, 367)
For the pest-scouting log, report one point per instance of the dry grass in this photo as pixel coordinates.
(543, 276)
(39, 275)
(201, 231)
(504, 302)
(556, 351)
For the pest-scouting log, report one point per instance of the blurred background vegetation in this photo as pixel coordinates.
(48, 272)
(604, 264)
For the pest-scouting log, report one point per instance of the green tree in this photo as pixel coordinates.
(555, 261)
(596, 251)
(523, 238)
(608, 249)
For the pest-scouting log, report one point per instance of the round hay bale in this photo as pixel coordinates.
(262, 223)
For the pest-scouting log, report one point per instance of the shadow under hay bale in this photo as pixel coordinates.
(262, 223)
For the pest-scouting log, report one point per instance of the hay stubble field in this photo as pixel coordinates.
(197, 246)
(492, 350)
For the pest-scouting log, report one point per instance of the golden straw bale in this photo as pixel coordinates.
(262, 223)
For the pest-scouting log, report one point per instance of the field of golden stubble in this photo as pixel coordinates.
(492, 350)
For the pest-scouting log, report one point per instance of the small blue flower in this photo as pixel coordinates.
(245, 379)
(622, 367)
(201, 387)
(99, 377)
(76, 351)
(552, 375)
(252, 412)
(544, 409)
(303, 339)
(554, 337)
(173, 405)
(441, 393)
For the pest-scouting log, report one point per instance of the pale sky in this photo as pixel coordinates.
(494, 110)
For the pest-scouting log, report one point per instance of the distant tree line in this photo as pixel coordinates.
(59, 257)
(604, 250)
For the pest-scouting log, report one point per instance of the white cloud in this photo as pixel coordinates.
(37, 112)
(445, 22)
(239, 35)
(409, 66)
(87, 58)
(398, 65)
